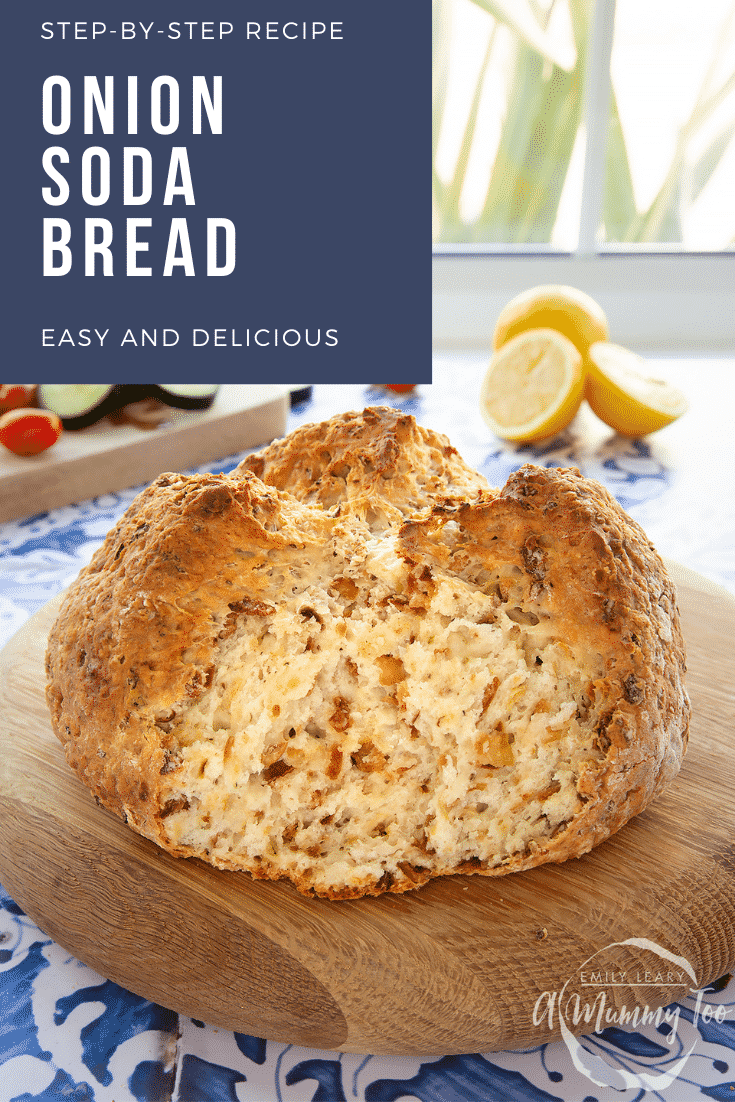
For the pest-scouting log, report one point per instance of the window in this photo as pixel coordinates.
(590, 143)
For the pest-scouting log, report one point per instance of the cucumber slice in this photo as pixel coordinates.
(82, 404)
(185, 395)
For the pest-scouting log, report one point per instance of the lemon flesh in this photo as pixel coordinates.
(553, 306)
(533, 386)
(624, 396)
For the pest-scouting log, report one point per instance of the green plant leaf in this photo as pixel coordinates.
(619, 209)
(441, 33)
(706, 164)
(508, 188)
(552, 140)
(455, 228)
(662, 221)
(520, 17)
(440, 36)
(536, 145)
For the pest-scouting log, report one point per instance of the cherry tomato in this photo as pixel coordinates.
(29, 431)
(16, 395)
(400, 388)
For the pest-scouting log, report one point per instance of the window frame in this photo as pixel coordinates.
(657, 298)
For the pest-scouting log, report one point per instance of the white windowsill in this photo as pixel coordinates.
(665, 301)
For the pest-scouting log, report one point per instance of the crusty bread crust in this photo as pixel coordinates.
(378, 465)
(363, 574)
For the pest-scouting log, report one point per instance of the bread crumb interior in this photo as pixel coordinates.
(363, 724)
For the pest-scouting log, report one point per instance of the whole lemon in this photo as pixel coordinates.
(553, 306)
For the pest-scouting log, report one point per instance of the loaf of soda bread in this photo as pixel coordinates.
(353, 664)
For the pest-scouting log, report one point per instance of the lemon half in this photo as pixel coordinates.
(624, 396)
(553, 306)
(533, 386)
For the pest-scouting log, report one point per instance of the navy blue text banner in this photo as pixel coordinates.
(229, 191)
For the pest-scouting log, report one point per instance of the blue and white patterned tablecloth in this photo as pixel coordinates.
(69, 1035)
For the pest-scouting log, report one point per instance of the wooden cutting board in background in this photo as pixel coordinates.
(457, 966)
(107, 457)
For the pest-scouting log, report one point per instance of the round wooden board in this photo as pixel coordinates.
(458, 966)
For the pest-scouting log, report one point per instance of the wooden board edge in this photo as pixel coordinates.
(689, 580)
(41, 487)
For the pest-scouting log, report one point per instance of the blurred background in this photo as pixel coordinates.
(586, 142)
